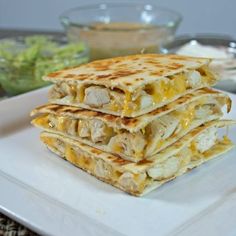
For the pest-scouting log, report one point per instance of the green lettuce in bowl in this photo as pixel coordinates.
(24, 60)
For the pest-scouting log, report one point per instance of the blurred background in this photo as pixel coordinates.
(207, 29)
(202, 16)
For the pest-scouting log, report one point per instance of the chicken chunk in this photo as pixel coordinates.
(130, 144)
(96, 96)
(165, 170)
(168, 125)
(102, 169)
(54, 92)
(83, 129)
(206, 139)
(145, 100)
(72, 127)
(194, 78)
(206, 110)
(129, 181)
(160, 129)
(99, 131)
(60, 90)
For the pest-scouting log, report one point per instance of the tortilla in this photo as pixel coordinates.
(134, 138)
(130, 86)
(195, 148)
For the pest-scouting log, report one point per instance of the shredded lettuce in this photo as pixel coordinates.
(25, 61)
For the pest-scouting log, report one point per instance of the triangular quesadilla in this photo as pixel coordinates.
(198, 146)
(130, 86)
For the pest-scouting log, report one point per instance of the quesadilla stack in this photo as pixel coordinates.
(135, 122)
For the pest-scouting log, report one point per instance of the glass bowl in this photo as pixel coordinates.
(116, 29)
(24, 60)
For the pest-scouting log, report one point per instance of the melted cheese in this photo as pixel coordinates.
(80, 93)
(163, 90)
(49, 141)
(42, 121)
(155, 90)
(117, 148)
(160, 91)
(180, 83)
(138, 154)
(73, 91)
(218, 147)
(61, 126)
(193, 148)
(187, 117)
(114, 106)
(70, 154)
(159, 144)
(128, 98)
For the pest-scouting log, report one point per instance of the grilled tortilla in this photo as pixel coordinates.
(195, 148)
(134, 138)
(130, 86)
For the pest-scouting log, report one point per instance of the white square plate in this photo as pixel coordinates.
(53, 197)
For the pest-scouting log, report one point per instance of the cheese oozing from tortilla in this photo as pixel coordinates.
(143, 143)
(126, 103)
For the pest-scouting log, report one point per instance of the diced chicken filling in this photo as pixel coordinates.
(165, 170)
(130, 181)
(171, 124)
(61, 90)
(145, 100)
(99, 131)
(137, 144)
(185, 156)
(84, 128)
(94, 129)
(129, 144)
(194, 78)
(206, 140)
(102, 169)
(159, 130)
(96, 96)
(124, 101)
(202, 111)
(166, 126)
(171, 166)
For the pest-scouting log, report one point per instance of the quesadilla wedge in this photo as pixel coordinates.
(137, 138)
(130, 86)
(198, 146)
